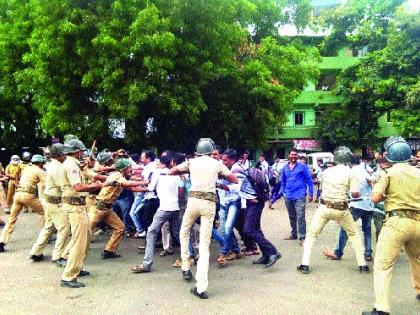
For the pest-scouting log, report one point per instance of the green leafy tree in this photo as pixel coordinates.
(385, 81)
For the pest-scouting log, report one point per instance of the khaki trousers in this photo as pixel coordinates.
(11, 188)
(112, 219)
(55, 219)
(205, 210)
(3, 199)
(79, 242)
(396, 233)
(21, 199)
(342, 217)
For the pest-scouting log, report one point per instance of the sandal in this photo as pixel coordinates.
(139, 269)
(221, 260)
(177, 264)
(330, 254)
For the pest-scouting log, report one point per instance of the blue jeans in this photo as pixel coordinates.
(276, 192)
(217, 236)
(296, 210)
(366, 217)
(227, 216)
(135, 212)
(252, 228)
(122, 206)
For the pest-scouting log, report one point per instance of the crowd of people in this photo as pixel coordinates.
(174, 199)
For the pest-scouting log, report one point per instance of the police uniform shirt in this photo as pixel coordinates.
(401, 185)
(52, 181)
(12, 170)
(31, 176)
(204, 172)
(109, 194)
(71, 174)
(337, 181)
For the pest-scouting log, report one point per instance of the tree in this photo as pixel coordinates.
(385, 81)
(154, 64)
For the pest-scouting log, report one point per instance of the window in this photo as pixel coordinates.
(298, 118)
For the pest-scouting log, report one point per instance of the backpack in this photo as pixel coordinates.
(258, 180)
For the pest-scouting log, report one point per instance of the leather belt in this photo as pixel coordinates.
(27, 190)
(404, 213)
(103, 205)
(52, 199)
(203, 195)
(339, 205)
(75, 200)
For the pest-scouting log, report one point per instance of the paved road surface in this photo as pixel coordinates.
(240, 288)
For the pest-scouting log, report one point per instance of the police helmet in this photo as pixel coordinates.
(121, 164)
(204, 146)
(26, 156)
(104, 157)
(37, 158)
(57, 149)
(398, 151)
(73, 146)
(342, 155)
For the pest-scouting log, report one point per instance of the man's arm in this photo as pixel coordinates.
(88, 187)
(309, 183)
(380, 188)
(176, 171)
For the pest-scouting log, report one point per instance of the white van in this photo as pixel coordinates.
(312, 158)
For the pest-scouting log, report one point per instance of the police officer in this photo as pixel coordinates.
(74, 188)
(12, 172)
(400, 188)
(204, 172)
(336, 181)
(55, 219)
(25, 196)
(102, 210)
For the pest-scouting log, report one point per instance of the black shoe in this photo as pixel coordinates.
(261, 261)
(83, 273)
(202, 295)
(418, 297)
(364, 269)
(303, 269)
(72, 284)
(187, 275)
(37, 258)
(272, 260)
(60, 262)
(374, 312)
(109, 255)
(2, 247)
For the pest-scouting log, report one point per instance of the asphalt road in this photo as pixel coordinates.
(332, 287)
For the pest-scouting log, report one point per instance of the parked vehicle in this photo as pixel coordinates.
(312, 159)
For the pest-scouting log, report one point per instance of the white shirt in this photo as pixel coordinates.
(166, 188)
(148, 175)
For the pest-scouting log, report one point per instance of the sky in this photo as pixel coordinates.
(290, 30)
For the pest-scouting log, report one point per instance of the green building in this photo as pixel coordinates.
(302, 120)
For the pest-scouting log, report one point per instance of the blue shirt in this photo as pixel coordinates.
(294, 182)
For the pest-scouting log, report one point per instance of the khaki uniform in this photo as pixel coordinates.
(204, 172)
(336, 183)
(55, 218)
(102, 210)
(12, 171)
(401, 185)
(25, 196)
(74, 205)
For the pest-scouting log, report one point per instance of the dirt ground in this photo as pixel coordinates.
(332, 287)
